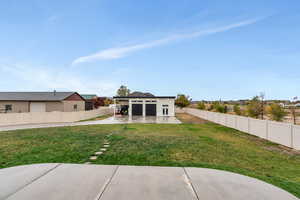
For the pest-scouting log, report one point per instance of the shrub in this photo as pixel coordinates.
(237, 109)
(211, 107)
(220, 108)
(201, 106)
(276, 112)
(254, 107)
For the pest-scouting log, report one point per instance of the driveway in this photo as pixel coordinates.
(110, 120)
(105, 182)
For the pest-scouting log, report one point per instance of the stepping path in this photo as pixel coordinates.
(102, 150)
(107, 182)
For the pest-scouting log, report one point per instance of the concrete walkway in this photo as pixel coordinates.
(110, 120)
(104, 182)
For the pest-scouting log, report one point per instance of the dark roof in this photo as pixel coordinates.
(135, 95)
(35, 96)
(140, 94)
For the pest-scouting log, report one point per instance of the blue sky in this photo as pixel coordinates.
(206, 49)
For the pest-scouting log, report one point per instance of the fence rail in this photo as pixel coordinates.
(50, 117)
(278, 132)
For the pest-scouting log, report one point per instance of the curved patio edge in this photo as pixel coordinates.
(110, 182)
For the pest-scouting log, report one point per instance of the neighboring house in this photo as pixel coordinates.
(89, 101)
(20, 102)
(145, 104)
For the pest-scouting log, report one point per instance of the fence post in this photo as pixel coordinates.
(292, 135)
(248, 124)
(267, 129)
(235, 121)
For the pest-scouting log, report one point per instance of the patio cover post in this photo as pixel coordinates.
(115, 105)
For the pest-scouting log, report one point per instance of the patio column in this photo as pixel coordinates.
(144, 108)
(115, 105)
(129, 108)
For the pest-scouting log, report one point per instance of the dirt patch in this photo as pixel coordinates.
(190, 119)
(283, 150)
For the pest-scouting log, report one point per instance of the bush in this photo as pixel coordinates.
(220, 108)
(201, 106)
(237, 109)
(254, 107)
(276, 112)
(182, 101)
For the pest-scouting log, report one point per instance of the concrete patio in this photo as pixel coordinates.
(138, 119)
(104, 182)
(110, 120)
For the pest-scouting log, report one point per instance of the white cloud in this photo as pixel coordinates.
(41, 79)
(120, 52)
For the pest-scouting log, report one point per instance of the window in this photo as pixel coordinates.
(165, 111)
(165, 105)
(75, 106)
(8, 108)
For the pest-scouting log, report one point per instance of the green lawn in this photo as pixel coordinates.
(199, 144)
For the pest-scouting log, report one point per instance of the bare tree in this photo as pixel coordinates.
(293, 110)
(262, 104)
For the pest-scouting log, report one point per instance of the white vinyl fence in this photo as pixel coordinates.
(50, 117)
(278, 132)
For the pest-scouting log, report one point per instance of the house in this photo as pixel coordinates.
(145, 104)
(20, 102)
(89, 100)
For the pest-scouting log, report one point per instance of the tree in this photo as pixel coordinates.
(182, 101)
(123, 91)
(107, 102)
(276, 112)
(201, 105)
(99, 101)
(237, 109)
(254, 107)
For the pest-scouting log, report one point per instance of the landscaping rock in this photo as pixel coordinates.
(87, 163)
(98, 153)
(106, 145)
(93, 158)
(102, 149)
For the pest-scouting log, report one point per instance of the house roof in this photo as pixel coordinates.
(35, 96)
(140, 94)
(143, 97)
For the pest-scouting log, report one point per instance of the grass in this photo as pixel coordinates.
(192, 144)
(100, 117)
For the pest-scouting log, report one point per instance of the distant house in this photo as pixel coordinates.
(89, 101)
(145, 104)
(20, 102)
